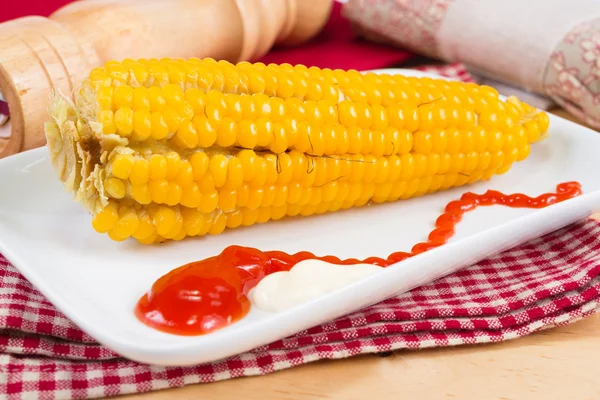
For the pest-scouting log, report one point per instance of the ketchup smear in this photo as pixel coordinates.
(206, 295)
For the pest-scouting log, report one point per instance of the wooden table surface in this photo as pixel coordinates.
(561, 363)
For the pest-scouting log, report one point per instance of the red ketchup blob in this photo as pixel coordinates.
(210, 294)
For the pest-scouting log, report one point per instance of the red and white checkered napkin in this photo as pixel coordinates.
(547, 282)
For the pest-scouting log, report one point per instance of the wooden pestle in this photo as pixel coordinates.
(39, 54)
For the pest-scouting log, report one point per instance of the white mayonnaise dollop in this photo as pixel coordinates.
(306, 281)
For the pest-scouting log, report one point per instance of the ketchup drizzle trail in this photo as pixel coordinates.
(210, 294)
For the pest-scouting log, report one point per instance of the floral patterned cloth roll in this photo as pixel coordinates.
(548, 47)
(573, 77)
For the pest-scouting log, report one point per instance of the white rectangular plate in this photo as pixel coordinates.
(96, 282)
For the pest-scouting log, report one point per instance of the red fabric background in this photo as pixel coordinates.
(334, 47)
(12, 9)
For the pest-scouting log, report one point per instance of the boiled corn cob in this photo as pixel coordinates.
(170, 148)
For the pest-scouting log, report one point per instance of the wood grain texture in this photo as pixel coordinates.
(553, 364)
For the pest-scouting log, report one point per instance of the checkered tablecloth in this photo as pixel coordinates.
(545, 283)
(548, 282)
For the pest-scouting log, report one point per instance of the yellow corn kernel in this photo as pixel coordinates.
(158, 190)
(159, 126)
(121, 165)
(218, 225)
(185, 110)
(173, 94)
(218, 169)
(141, 194)
(139, 74)
(187, 135)
(227, 200)
(115, 188)
(172, 119)
(247, 134)
(99, 78)
(145, 227)
(142, 125)
(195, 97)
(123, 121)
(104, 97)
(191, 196)
(207, 184)
(226, 132)
(533, 131)
(205, 145)
(209, 201)
(174, 193)
(157, 167)
(140, 98)
(164, 220)
(185, 176)
(207, 131)
(173, 163)
(107, 119)
(157, 99)
(235, 172)
(127, 224)
(105, 220)
(199, 162)
(193, 221)
(140, 172)
(159, 72)
(117, 71)
(234, 219)
(123, 97)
